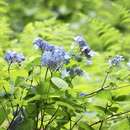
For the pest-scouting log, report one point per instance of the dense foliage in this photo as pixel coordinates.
(64, 65)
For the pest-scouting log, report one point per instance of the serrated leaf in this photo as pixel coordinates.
(65, 105)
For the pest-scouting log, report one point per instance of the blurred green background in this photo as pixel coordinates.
(105, 24)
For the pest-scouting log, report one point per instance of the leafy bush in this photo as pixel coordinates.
(52, 78)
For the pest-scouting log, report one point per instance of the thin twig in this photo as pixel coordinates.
(120, 87)
(52, 118)
(17, 111)
(95, 92)
(46, 73)
(102, 86)
(42, 117)
(9, 66)
(100, 128)
(105, 79)
(110, 117)
(102, 121)
(36, 127)
(76, 122)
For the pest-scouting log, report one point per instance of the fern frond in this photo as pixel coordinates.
(53, 31)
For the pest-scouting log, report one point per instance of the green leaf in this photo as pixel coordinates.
(32, 63)
(84, 126)
(42, 88)
(3, 115)
(120, 98)
(64, 104)
(113, 109)
(26, 125)
(31, 110)
(60, 83)
(121, 125)
(20, 81)
(35, 98)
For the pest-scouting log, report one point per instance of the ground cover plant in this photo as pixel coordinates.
(65, 65)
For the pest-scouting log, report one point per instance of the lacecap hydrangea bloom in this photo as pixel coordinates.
(42, 44)
(55, 58)
(115, 61)
(85, 49)
(13, 57)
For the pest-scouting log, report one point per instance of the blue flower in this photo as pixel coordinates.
(13, 57)
(49, 47)
(85, 49)
(43, 45)
(78, 58)
(82, 94)
(89, 62)
(40, 43)
(19, 57)
(72, 72)
(10, 57)
(81, 41)
(115, 61)
(54, 59)
(65, 73)
(78, 71)
(53, 56)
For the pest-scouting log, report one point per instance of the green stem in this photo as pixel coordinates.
(49, 85)
(111, 117)
(37, 116)
(17, 111)
(97, 91)
(105, 79)
(46, 73)
(43, 112)
(102, 121)
(70, 123)
(9, 68)
(76, 122)
(100, 128)
(42, 117)
(9, 99)
(102, 86)
(52, 118)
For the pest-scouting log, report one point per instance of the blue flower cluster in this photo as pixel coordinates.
(53, 57)
(13, 57)
(85, 49)
(72, 72)
(42, 44)
(76, 71)
(115, 61)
